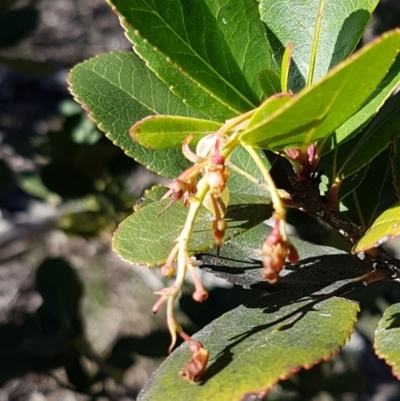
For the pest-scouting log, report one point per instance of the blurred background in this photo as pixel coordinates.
(75, 321)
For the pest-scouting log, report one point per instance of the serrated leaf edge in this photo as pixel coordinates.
(98, 123)
(325, 358)
(125, 25)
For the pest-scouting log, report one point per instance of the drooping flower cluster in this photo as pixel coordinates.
(205, 184)
(274, 252)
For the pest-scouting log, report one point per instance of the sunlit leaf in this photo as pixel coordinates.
(256, 345)
(387, 338)
(167, 132)
(146, 237)
(384, 228)
(342, 26)
(353, 155)
(359, 120)
(207, 41)
(318, 110)
(118, 90)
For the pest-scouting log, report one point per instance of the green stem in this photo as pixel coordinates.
(234, 122)
(317, 31)
(286, 60)
(279, 207)
(359, 211)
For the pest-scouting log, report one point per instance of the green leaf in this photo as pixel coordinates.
(268, 108)
(285, 66)
(246, 177)
(147, 238)
(371, 106)
(118, 90)
(166, 132)
(270, 82)
(221, 46)
(320, 269)
(342, 26)
(387, 338)
(353, 155)
(363, 201)
(180, 84)
(264, 341)
(150, 195)
(384, 228)
(318, 110)
(395, 162)
(351, 183)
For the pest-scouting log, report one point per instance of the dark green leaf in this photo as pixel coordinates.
(180, 84)
(270, 82)
(353, 155)
(395, 162)
(371, 106)
(118, 90)
(320, 268)
(387, 338)
(362, 203)
(213, 44)
(263, 342)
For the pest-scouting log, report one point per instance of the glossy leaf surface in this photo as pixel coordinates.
(361, 150)
(263, 342)
(180, 84)
(147, 238)
(118, 90)
(384, 228)
(342, 26)
(318, 110)
(363, 202)
(201, 39)
(387, 338)
(320, 269)
(168, 132)
(368, 110)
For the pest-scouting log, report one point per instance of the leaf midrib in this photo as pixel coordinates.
(232, 87)
(121, 87)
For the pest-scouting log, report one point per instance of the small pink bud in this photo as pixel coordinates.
(200, 295)
(293, 254)
(218, 160)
